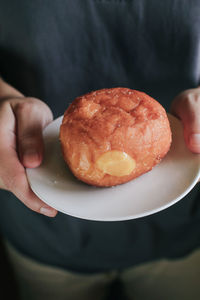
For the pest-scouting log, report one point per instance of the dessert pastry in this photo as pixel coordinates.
(111, 136)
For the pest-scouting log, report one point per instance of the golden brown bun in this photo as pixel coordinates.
(112, 136)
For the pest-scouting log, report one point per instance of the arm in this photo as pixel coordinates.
(22, 120)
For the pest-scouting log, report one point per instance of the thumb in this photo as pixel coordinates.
(30, 118)
(188, 110)
(192, 135)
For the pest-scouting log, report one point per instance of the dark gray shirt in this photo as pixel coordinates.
(57, 50)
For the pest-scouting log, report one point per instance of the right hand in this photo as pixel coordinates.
(21, 145)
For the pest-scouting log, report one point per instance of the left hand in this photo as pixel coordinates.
(186, 107)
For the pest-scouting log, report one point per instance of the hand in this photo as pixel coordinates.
(186, 106)
(21, 123)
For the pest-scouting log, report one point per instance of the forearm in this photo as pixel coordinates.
(7, 91)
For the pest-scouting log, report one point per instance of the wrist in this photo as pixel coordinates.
(7, 91)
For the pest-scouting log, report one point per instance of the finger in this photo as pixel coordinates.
(192, 136)
(14, 179)
(30, 123)
(188, 110)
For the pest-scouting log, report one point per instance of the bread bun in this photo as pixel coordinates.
(111, 136)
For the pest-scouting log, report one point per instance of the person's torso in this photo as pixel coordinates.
(61, 49)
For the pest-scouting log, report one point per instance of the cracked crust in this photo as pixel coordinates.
(113, 119)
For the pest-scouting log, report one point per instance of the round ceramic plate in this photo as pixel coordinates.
(154, 191)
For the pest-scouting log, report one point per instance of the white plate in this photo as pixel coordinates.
(154, 191)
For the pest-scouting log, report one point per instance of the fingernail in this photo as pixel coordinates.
(31, 158)
(31, 153)
(195, 139)
(47, 211)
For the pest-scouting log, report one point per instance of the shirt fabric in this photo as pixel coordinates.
(58, 50)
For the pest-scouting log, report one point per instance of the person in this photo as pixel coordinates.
(51, 52)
